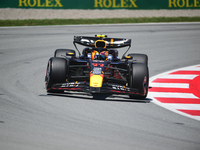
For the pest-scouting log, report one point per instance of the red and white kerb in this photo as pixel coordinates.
(178, 91)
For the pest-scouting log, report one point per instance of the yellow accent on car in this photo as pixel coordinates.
(128, 57)
(100, 35)
(111, 41)
(96, 80)
(124, 88)
(75, 83)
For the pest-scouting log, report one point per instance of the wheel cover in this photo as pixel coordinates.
(47, 76)
(145, 85)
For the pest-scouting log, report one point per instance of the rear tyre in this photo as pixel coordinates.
(139, 80)
(62, 53)
(56, 73)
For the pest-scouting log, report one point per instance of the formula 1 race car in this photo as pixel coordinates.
(98, 70)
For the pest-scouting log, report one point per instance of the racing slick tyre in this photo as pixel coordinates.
(56, 73)
(62, 53)
(139, 58)
(139, 80)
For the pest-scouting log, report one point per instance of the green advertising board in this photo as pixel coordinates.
(102, 4)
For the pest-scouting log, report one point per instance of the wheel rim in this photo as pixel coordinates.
(145, 85)
(47, 75)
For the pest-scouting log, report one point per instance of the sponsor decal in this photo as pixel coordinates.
(115, 4)
(40, 3)
(102, 4)
(184, 3)
(71, 84)
(96, 80)
(97, 70)
(120, 88)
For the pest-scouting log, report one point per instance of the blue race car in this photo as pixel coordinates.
(98, 70)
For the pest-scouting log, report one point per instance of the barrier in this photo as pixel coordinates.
(102, 4)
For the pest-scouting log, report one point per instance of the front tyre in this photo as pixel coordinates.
(139, 80)
(56, 73)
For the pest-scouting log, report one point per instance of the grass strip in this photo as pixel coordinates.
(44, 22)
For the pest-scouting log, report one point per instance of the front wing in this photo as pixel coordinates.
(106, 88)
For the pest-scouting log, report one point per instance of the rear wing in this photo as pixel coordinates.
(108, 42)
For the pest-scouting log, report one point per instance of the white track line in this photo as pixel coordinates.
(170, 85)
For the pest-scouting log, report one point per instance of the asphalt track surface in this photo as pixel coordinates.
(30, 119)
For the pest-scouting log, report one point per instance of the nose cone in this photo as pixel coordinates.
(96, 80)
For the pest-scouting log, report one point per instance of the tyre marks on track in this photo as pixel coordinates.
(178, 90)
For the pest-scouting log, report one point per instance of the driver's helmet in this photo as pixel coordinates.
(104, 55)
(95, 55)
